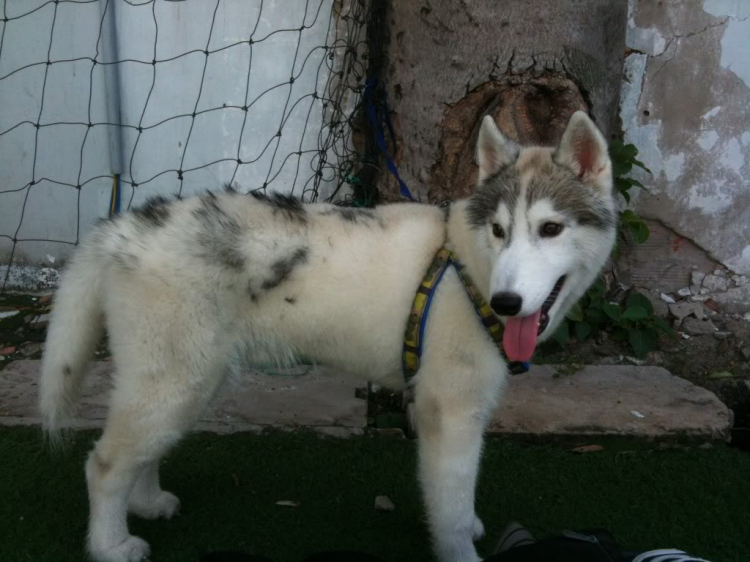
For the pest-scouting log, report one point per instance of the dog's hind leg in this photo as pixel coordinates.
(119, 457)
(148, 500)
(145, 421)
(160, 389)
(451, 418)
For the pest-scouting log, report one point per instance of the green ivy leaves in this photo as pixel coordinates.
(623, 159)
(633, 321)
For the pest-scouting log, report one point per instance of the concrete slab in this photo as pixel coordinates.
(311, 397)
(598, 400)
(610, 400)
(305, 397)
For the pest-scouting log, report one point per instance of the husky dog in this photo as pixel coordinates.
(189, 287)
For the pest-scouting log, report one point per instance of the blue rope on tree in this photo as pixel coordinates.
(377, 114)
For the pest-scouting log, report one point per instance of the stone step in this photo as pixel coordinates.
(598, 400)
(303, 397)
(610, 400)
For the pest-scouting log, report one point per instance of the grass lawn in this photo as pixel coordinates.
(695, 499)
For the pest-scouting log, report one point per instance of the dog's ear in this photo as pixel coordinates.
(494, 151)
(584, 150)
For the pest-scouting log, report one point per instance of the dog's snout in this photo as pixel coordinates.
(506, 304)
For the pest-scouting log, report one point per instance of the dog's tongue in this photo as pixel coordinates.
(519, 339)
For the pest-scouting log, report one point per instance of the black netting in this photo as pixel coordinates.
(330, 154)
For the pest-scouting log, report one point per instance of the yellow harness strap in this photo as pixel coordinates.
(415, 325)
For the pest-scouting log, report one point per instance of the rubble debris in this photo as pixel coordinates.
(696, 327)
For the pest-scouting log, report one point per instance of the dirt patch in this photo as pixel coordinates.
(23, 327)
(385, 409)
(698, 359)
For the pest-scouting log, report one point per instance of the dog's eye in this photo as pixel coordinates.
(498, 231)
(550, 229)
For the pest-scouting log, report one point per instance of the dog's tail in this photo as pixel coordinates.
(75, 328)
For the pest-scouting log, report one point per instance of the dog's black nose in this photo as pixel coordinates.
(506, 304)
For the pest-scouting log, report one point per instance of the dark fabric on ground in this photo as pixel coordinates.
(588, 545)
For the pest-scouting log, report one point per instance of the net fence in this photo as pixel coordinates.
(108, 102)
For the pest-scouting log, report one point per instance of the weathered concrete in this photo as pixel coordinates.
(665, 261)
(682, 310)
(307, 397)
(610, 400)
(599, 400)
(695, 327)
(29, 278)
(686, 105)
(736, 300)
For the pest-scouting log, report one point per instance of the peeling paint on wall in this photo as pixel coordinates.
(735, 44)
(686, 105)
(708, 140)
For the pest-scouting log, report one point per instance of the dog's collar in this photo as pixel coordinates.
(415, 326)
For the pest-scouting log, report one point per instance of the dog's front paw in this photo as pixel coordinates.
(460, 556)
(458, 546)
(477, 529)
(132, 549)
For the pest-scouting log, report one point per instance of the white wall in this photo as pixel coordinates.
(158, 98)
(686, 105)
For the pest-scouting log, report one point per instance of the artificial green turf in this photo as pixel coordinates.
(693, 499)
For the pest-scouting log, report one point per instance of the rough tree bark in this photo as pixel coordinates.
(529, 63)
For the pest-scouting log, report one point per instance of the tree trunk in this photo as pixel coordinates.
(529, 64)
